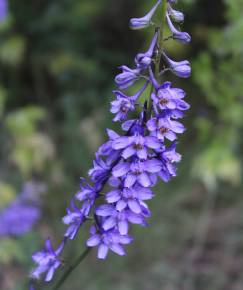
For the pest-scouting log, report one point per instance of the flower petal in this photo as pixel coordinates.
(130, 180)
(105, 210)
(102, 251)
(118, 249)
(120, 143)
(153, 165)
(93, 241)
(123, 227)
(144, 179)
(120, 169)
(134, 206)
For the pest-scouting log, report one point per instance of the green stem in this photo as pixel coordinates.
(160, 39)
(160, 44)
(71, 268)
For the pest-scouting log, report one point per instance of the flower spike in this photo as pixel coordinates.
(129, 164)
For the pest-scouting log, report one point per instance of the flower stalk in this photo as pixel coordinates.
(160, 39)
(129, 165)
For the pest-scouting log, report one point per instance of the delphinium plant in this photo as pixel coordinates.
(129, 164)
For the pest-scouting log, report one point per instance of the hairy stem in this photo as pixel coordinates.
(71, 268)
(160, 42)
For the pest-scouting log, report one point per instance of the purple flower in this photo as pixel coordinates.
(169, 98)
(127, 167)
(108, 240)
(3, 9)
(181, 68)
(127, 77)
(124, 104)
(100, 171)
(48, 261)
(120, 219)
(132, 198)
(169, 157)
(183, 37)
(163, 127)
(143, 60)
(74, 219)
(18, 218)
(142, 172)
(140, 23)
(137, 145)
(87, 195)
(121, 106)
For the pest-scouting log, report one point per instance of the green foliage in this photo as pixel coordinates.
(218, 73)
(7, 194)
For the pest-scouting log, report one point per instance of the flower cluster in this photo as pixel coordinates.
(23, 213)
(128, 166)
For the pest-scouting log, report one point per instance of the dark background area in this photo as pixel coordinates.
(58, 60)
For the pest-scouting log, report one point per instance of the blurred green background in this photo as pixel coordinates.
(58, 60)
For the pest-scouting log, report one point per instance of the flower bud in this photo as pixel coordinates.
(143, 22)
(181, 69)
(176, 15)
(183, 37)
(127, 77)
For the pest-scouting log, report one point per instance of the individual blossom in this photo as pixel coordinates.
(169, 157)
(48, 261)
(137, 145)
(87, 195)
(119, 218)
(100, 171)
(108, 240)
(183, 37)
(121, 106)
(145, 21)
(124, 104)
(164, 127)
(169, 98)
(142, 172)
(132, 198)
(74, 218)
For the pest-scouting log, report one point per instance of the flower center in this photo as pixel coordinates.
(163, 102)
(163, 130)
(124, 109)
(137, 172)
(138, 146)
